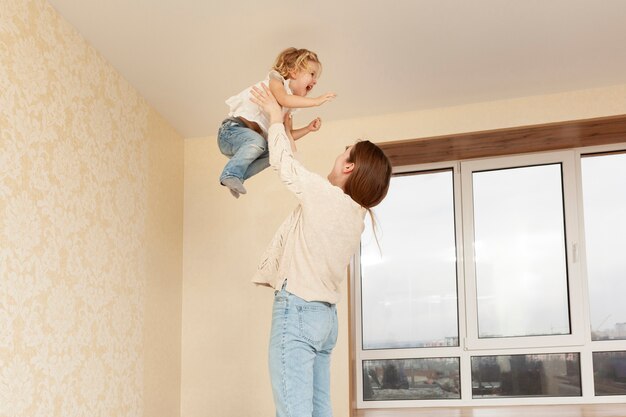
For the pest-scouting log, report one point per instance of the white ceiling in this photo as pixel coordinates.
(187, 56)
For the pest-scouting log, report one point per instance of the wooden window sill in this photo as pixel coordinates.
(571, 410)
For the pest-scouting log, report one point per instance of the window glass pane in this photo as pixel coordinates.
(548, 375)
(519, 244)
(604, 202)
(609, 373)
(409, 292)
(411, 379)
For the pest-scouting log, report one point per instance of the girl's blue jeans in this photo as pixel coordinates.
(246, 149)
(302, 338)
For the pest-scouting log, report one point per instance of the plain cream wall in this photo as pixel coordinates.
(226, 319)
(164, 269)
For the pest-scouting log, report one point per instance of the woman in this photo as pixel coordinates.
(307, 259)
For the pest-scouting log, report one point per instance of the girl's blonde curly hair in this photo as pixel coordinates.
(293, 60)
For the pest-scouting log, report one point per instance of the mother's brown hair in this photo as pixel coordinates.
(368, 182)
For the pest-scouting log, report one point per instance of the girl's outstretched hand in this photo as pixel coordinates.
(267, 102)
(324, 98)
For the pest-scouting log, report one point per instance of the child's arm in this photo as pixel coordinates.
(296, 102)
(314, 126)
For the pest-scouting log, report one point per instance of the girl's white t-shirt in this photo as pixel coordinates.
(240, 104)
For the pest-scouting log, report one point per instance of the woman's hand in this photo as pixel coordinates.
(288, 122)
(267, 102)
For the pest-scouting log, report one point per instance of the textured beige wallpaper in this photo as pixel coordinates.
(76, 191)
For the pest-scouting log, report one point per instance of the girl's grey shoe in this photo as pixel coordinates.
(234, 184)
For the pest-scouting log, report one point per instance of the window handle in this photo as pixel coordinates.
(574, 252)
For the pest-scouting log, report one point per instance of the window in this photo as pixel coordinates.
(497, 281)
(520, 252)
(409, 295)
(411, 379)
(609, 373)
(519, 229)
(546, 375)
(604, 198)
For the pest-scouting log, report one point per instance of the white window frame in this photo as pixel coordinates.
(567, 161)
(579, 341)
(597, 345)
(428, 352)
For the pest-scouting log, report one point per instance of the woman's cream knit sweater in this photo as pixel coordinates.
(313, 246)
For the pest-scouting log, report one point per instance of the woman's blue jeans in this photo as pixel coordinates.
(246, 149)
(302, 338)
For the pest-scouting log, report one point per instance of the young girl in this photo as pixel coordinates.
(307, 259)
(242, 136)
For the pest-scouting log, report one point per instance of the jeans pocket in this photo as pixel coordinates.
(223, 140)
(315, 323)
(281, 301)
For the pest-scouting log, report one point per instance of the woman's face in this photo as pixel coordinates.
(341, 169)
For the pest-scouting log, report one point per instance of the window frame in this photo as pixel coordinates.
(579, 341)
(598, 345)
(574, 282)
(402, 353)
